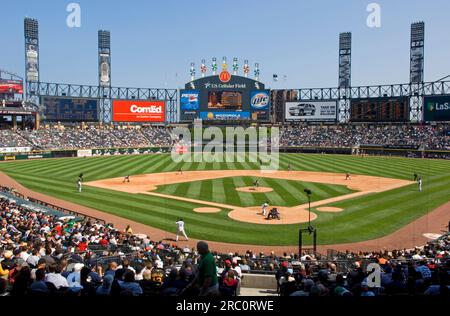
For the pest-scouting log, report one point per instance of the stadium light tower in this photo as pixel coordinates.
(31, 32)
(104, 74)
(345, 74)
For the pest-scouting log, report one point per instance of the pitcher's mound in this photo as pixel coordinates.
(207, 210)
(255, 190)
(288, 215)
(329, 209)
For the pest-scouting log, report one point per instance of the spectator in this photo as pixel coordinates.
(129, 285)
(39, 286)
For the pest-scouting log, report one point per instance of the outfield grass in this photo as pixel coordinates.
(364, 218)
(285, 192)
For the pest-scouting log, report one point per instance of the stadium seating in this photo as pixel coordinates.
(425, 137)
(46, 253)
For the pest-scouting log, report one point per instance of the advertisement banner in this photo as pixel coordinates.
(32, 65)
(11, 86)
(84, 153)
(138, 111)
(104, 67)
(189, 100)
(8, 150)
(311, 111)
(436, 108)
(260, 100)
(224, 115)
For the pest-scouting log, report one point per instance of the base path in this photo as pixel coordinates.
(408, 236)
(144, 183)
(148, 182)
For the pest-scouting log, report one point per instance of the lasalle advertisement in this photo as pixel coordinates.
(437, 108)
(138, 111)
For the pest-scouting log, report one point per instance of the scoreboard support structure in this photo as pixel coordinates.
(414, 91)
(107, 94)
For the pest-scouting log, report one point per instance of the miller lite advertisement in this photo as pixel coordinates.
(260, 100)
(138, 111)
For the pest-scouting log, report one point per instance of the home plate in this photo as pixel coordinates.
(431, 236)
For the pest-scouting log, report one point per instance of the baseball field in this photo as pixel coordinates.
(217, 201)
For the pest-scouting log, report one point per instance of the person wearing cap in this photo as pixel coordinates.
(206, 278)
(305, 288)
(180, 229)
(365, 289)
(340, 289)
(105, 288)
(281, 273)
(225, 269)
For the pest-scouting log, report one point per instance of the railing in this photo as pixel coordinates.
(13, 192)
(64, 210)
(49, 205)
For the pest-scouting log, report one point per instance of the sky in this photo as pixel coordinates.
(154, 42)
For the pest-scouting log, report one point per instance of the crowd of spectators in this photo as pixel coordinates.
(42, 254)
(417, 136)
(70, 137)
(426, 137)
(11, 139)
(422, 270)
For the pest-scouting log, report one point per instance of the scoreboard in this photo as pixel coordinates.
(63, 109)
(380, 109)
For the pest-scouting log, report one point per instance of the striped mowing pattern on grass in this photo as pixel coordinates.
(364, 218)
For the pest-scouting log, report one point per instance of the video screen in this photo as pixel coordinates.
(70, 109)
(380, 110)
(225, 100)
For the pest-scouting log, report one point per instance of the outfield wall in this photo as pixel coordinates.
(37, 154)
(358, 151)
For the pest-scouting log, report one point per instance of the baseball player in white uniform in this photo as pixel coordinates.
(264, 208)
(180, 229)
(420, 184)
(79, 185)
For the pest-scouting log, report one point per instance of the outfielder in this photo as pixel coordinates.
(420, 184)
(79, 185)
(180, 229)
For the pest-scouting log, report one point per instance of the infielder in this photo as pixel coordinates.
(180, 229)
(255, 184)
(347, 176)
(126, 179)
(79, 185)
(264, 208)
